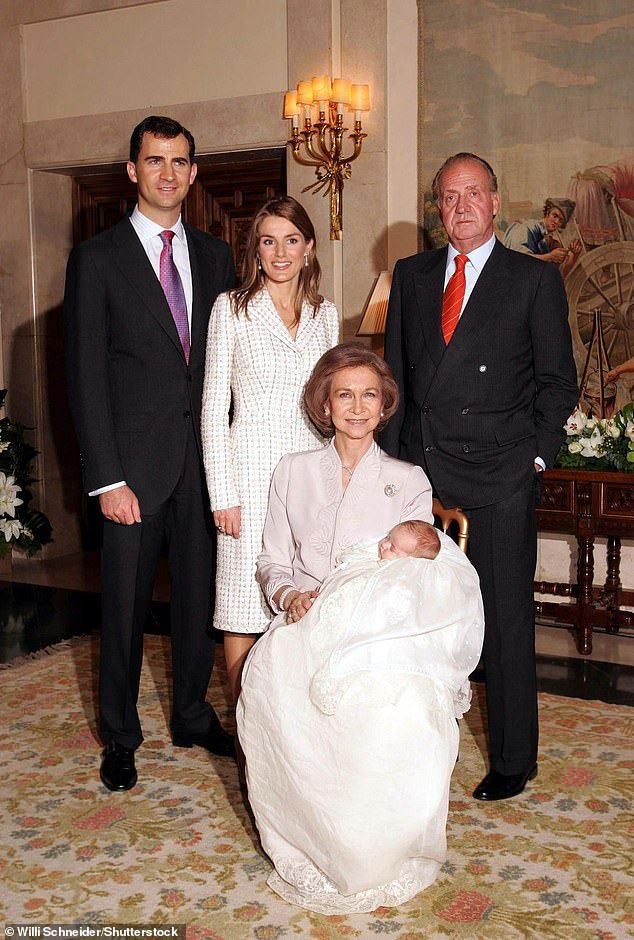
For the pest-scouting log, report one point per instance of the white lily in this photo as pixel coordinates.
(10, 528)
(575, 423)
(9, 494)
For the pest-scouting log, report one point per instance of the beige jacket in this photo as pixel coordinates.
(311, 519)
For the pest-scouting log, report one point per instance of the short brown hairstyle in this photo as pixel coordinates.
(347, 356)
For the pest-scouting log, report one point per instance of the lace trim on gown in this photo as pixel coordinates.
(302, 884)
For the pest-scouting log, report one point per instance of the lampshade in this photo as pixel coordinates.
(341, 90)
(321, 88)
(360, 98)
(375, 313)
(291, 107)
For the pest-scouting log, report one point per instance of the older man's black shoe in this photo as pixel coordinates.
(215, 740)
(118, 771)
(496, 786)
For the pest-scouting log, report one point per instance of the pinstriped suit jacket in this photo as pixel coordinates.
(476, 413)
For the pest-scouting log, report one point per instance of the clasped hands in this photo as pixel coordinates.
(297, 604)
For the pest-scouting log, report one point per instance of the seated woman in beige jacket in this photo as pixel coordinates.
(324, 501)
(303, 764)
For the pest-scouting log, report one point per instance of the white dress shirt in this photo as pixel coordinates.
(473, 268)
(148, 233)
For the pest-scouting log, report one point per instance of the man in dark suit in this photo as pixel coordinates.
(478, 338)
(136, 308)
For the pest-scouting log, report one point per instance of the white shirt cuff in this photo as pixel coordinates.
(106, 489)
(540, 463)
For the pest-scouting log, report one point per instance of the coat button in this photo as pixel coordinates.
(428, 449)
(466, 448)
(465, 411)
(483, 368)
(187, 414)
(426, 410)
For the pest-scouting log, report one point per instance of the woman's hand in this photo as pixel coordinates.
(298, 603)
(227, 521)
(627, 366)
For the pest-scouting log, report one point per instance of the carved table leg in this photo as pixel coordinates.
(585, 577)
(613, 582)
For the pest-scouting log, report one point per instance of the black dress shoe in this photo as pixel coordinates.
(496, 786)
(117, 767)
(215, 739)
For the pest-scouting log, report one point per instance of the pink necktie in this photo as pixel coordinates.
(452, 299)
(174, 293)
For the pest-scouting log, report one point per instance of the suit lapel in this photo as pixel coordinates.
(429, 285)
(203, 275)
(134, 264)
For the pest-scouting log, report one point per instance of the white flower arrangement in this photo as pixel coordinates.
(20, 525)
(599, 443)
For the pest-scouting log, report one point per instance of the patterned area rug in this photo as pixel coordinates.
(180, 848)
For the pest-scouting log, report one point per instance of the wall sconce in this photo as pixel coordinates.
(323, 141)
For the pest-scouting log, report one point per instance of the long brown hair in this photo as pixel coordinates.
(284, 207)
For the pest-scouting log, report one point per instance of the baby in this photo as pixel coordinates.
(414, 538)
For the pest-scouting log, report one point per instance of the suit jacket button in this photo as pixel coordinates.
(428, 449)
(466, 448)
(483, 368)
(465, 411)
(425, 410)
(187, 414)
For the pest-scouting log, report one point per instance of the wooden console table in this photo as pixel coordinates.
(587, 504)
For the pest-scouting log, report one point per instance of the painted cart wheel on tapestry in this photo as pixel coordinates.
(603, 279)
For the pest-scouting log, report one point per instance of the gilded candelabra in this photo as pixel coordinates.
(323, 141)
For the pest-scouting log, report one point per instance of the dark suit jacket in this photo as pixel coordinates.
(476, 413)
(132, 394)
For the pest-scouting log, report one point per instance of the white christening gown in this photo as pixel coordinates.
(347, 721)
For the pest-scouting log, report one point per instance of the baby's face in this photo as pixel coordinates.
(397, 544)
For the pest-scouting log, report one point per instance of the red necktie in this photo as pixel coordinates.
(174, 292)
(452, 299)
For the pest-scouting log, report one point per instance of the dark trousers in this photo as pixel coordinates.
(503, 549)
(129, 560)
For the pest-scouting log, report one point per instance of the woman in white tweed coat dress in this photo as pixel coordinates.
(264, 339)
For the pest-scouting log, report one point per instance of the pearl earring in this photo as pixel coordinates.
(382, 414)
(259, 263)
(306, 260)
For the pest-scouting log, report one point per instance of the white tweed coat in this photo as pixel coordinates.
(255, 363)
